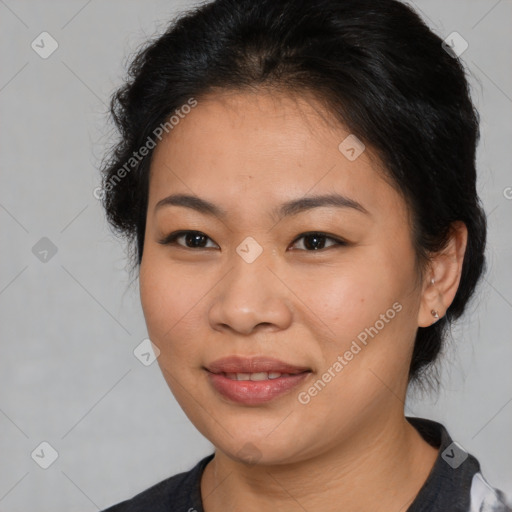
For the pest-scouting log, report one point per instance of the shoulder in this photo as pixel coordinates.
(456, 482)
(178, 492)
(484, 497)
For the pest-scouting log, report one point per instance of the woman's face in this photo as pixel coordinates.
(251, 285)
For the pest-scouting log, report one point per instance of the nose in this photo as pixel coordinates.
(250, 297)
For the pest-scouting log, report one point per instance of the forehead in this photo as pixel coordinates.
(270, 146)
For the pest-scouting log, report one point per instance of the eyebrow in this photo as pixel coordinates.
(292, 207)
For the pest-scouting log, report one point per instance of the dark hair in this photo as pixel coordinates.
(376, 67)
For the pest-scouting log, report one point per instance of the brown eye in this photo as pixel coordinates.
(191, 239)
(315, 241)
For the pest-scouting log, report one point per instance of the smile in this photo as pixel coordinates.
(256, 376)
(251, 389)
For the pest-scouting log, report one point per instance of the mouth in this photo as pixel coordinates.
(259, 367)
(257, 376)
(256, 380)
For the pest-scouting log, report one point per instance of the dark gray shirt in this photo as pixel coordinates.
(455, 483)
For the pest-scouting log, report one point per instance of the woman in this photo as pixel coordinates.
(297, 180)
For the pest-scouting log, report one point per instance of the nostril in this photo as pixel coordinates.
(264, 323)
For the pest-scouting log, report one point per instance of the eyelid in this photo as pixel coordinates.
(171, 238)
(339, 241)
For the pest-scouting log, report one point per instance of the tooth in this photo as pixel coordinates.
(274, 375)
(231, 376)
(259, 376)
(243, 376)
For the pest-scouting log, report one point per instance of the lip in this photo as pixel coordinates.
(248, 392)
(237, 364)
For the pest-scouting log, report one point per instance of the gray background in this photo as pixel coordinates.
(69, 325)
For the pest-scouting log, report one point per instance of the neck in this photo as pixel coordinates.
(381, 467)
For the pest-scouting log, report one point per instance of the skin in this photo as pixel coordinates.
(248, 153)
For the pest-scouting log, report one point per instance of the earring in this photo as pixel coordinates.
(435, 314)
(432, 281)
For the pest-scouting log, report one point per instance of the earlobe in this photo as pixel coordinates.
(431, 306)
(443, 277)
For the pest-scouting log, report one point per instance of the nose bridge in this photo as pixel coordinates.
(250, 294)
(250, 272)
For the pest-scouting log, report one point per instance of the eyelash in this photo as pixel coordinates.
(172, 237)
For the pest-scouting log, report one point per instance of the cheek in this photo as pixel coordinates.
(349, 297)
(365, 308)
(170, 300)
(366, 355)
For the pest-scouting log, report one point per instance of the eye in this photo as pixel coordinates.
(314, 240)
(192, 239)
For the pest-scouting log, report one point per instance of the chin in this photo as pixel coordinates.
(255, 451)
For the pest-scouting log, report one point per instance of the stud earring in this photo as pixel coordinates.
(435, 314)
(432, 281)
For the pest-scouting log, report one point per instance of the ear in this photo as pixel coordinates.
(445, 271)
